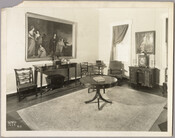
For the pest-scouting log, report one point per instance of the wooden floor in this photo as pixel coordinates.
(14, 122)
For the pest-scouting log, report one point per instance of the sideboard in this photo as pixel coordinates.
(53, 70)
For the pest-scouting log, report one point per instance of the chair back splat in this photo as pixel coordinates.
(84, 68)
(24, 81)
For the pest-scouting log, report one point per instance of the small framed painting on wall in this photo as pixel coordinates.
(143, 61)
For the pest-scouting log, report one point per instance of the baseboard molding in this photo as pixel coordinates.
(15, 93)
(11, 94)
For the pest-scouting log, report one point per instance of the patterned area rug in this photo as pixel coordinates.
(130, 110)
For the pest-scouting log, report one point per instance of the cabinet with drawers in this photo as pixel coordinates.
(142, 76)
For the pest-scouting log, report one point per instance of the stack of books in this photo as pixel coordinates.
(99, 79)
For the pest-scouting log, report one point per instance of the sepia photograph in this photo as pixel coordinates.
(87, 69)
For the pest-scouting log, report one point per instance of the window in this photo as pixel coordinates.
(123, 48)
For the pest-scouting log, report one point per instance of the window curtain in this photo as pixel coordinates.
(118, 36)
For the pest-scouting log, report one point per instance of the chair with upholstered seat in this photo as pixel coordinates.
(116, 69)
(24, 82)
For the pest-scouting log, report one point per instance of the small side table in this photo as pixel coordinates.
(107, 83)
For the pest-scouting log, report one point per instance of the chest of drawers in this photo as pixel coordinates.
(143, 76)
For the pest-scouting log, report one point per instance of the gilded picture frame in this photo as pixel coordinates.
(49, 38)
(145, 42)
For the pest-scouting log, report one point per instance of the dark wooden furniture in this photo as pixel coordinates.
(84, 68)
(98, 67)
(165, 86)
(116, 69)
(24, 82)
(53, 70)
(55, 81)
(108, 82)
(143, 76)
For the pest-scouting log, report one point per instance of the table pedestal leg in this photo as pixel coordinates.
(98, 96)
(104, 99)
(98, 99)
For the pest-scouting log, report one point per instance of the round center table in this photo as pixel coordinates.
(99, 82)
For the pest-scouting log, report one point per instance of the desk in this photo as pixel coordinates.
(51, 70)
(107, 83)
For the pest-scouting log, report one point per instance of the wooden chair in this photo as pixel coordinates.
(116, 69)
(24, 82)
(98, 69)
(84, 72)
(84, 68)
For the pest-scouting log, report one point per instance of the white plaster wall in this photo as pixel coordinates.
(87, 37)
(160, 56)
(93, 34)
(143, 19)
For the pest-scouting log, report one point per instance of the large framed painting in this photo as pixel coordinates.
(48, 38)
(145, 42)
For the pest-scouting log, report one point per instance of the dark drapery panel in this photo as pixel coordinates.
(119, 33)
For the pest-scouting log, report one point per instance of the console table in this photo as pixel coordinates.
(143, 76)
(51, 70)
